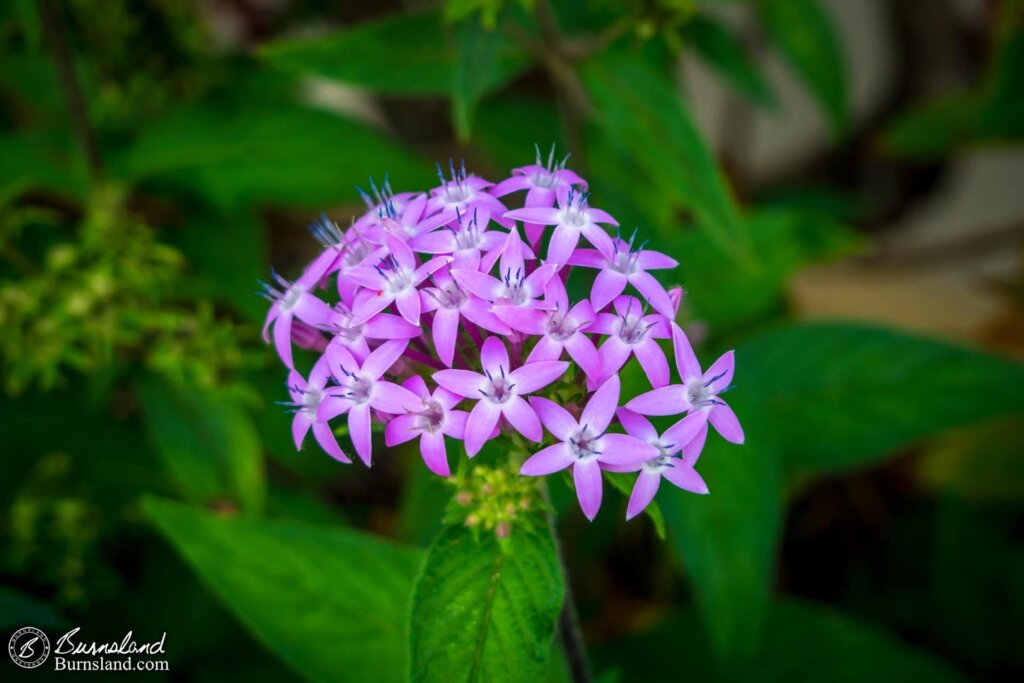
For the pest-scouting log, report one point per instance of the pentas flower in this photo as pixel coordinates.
(621, 265)
(431, 423)
(354, 336)
(290, 300)
(394, 279)
(584, 445)
(699, 391)
(450, 303)
(361, 388)
(306, 400)
(426, 318)
(462, 193)
(464, 239)
(542, 183)
(573, 217)
(499, 392)
(514, 288)
(666, 464)
(632, 331)
(560, 327)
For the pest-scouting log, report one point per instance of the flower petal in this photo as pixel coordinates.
(465, 383)
(585, 354)
(586, 474)
(607, 285)
(547, 461)
(300, 427)
(392, 398)
(481, 284)
(600, 410)
(721, 372)
(383, 357)
(408, 302)
(557, 419)
(652, 360)
(539, 215)
(401, 429)
(654, 292)
(682, 433)
(434, 453)
(726, 422)
(685, 477)
(446, 331)
(533, 376)
(643, 492)
(563, 241)
(622, 449)
(388, 326)
(283, 339)
(521, 416)
(686, 360)
(670, 400)
(637, 425)
(480, 425)
(691, 452)
(359, 431)
(494, 356)
(325, 437)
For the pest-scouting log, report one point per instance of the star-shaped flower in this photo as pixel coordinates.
(573, 217)
(431, 423)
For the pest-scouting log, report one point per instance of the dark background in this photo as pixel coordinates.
(805, 160)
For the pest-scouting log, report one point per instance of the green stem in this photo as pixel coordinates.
(569, 632)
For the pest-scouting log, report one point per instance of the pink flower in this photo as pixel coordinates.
(632, 332)
(353, 336)
(542, 184)
(293, 300)
(585, 445)
(677, 470)
(499, 391)
(572, 218)
(464, 242)
(394, 279)
(699, 392)
(306, 399)
(558, 329)
(450, 302)
(463, 193)
(431, 423)
(514, 289)
(621, 265)
(361, 388)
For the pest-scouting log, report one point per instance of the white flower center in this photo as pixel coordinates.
(632, 329)
(499, 388)
(584, 444)
(431, 419)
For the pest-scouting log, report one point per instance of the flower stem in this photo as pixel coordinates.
(53, 30)
(569, 632)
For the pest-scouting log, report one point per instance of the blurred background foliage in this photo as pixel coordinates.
(839, 181)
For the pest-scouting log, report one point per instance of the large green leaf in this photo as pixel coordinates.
(485, 610)
(207, 442)
(803, 642)
(641, 111)
(808, 39)
(407, 54)
(332, 603)
(477, 69)
(277, 152)
(18, 609)
(727, 540)
(724, 52)
(846, 395)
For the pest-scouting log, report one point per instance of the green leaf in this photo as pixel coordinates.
(727, 541)
(484, 609)
(642, 111)
(803, 642)
(473, 73)
(808, 39)
(932, 130)
(278, 152)
(207, 442)
(841, 396)
(508, 128)
(724, 52)
(406, 54)
(332, 603)
(783, 239)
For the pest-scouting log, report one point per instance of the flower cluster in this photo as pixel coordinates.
(433, 315)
